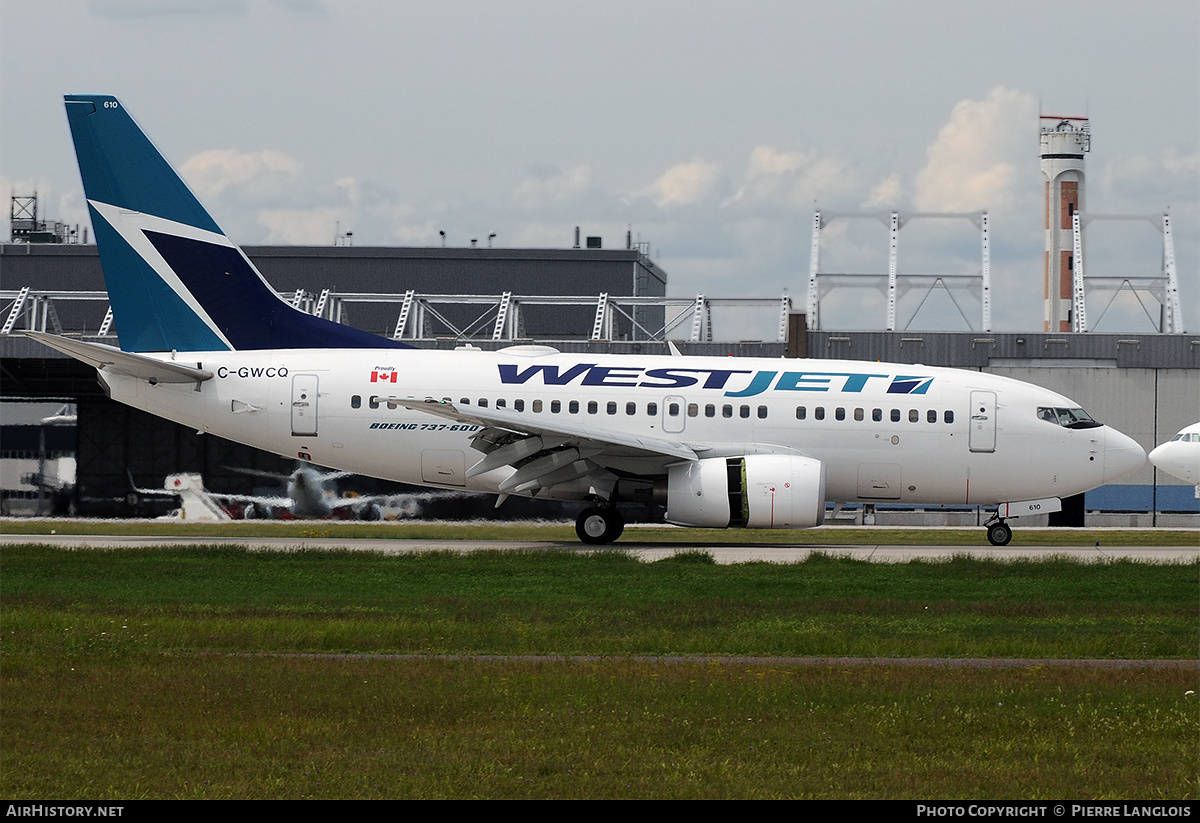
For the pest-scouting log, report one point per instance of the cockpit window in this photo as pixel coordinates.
(1067, 418)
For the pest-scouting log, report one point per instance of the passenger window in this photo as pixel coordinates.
(611, 407)
(858, 414)
(948, 416)
(895, 415)
(672, 409)
(466, 401)
(573, 407)
(373, 402)
(593, 407)
(537, 406)
(819, 413)
(555, 406)
(483, 402)
(652, 409)
(356, 401)
(519, 405)
(693, 409)
(839, 413)
(801, 412)
(727, 410)
(931, 415)
(877, 415)
(744, 411)
(710, 410)
(913, 415)
(762, 412)
(501, 403)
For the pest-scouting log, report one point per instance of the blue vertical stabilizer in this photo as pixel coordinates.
(175, 281)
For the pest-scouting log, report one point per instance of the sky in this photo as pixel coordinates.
(710, 130)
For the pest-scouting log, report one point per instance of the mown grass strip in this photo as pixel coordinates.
(213, 672)
(269, 728)
(229, 599)
(565, 532)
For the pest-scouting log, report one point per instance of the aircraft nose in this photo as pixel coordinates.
(1122, 455)
(1157, 453)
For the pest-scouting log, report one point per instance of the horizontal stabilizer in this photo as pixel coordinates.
(107, 358)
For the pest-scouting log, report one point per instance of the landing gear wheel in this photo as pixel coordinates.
(596, 525)
(999, 534)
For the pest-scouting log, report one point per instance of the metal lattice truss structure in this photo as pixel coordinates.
(894, 284)
(1163, 287)
(427, 316)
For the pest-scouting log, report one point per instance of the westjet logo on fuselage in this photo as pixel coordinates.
(733, 382)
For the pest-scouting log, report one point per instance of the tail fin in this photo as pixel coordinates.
(175, 281)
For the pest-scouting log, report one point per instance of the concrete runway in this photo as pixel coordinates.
(646, 551)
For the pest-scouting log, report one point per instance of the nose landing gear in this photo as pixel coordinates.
(999, 533)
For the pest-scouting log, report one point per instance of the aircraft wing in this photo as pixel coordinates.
(285, 502)
(545, 454)
(274, 502)
(521, 424)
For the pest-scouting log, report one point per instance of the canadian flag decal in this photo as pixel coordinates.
(384, 376)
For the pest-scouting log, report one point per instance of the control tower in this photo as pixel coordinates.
(1064, 142)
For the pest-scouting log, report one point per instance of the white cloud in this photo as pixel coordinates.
(794, 181)
(1143, 182)
(768, 160)
(211, 172)
(972, 164)
(886, 193)
(553, 186)
(302, 227)
(685, 184)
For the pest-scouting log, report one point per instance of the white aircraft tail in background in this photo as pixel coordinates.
(195, 503)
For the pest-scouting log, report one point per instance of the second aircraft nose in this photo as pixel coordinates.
(1122, 455)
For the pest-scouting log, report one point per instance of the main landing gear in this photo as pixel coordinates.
(599, 525)
(999, 533)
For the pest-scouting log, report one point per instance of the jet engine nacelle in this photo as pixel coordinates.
(758, 491)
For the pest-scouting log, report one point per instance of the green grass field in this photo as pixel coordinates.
(210, 672)
(565, 532)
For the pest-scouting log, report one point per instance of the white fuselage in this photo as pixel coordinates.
(1180, 456)
(885, 432)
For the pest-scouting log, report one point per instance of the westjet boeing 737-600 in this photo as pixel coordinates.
(759, 443)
